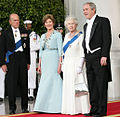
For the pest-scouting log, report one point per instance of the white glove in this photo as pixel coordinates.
(79, 70)
(80, 66)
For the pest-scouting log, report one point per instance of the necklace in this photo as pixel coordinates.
(48, 34)
(46, 39)
(72, 34)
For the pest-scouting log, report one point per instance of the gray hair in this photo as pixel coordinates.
(68, 18)
(92, 5)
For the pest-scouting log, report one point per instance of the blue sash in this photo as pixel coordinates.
(17, 45)
(71, 41)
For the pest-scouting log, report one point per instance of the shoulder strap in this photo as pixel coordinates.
(17, 45)
(71, 41)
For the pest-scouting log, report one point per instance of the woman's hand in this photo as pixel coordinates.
(39, 68)
(59, 65)
(59, 68)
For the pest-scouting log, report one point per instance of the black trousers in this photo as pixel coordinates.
(17, 75)
(97, 84)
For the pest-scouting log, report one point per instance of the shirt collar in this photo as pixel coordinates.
(15, 29)
(92, 19)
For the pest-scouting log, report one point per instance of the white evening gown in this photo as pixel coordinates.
(70, 103)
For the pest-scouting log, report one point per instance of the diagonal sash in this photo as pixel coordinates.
(71, 41)
(17, 45)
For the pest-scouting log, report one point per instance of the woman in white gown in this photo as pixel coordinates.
(73, 62)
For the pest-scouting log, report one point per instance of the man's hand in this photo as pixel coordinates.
(103, 61)
(28, 66)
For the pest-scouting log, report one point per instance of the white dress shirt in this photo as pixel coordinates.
(17, 37)
(88, 32)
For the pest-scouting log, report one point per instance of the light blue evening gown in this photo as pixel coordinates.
(49, 96)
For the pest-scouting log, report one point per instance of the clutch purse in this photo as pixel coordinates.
(81, 89)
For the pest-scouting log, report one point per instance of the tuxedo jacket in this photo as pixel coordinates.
(100, 36)
(7, 43)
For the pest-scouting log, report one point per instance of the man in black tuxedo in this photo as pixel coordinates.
(15, 61)
(96, 44)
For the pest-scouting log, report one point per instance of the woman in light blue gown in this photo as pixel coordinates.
(49, 96)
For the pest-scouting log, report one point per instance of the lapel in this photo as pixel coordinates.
(85, 27)
(20, 31)
(94, 27)
(11, 36)
(24, 37)
(21, 37)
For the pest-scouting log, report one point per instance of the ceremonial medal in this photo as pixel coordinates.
(15, 35)
(34, 39)
(24, 45)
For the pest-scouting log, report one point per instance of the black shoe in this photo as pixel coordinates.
(30, 98)
(97, 116)
(88, 114)
(25, 111)
(12, 112)
(1, 99)
(94, 110)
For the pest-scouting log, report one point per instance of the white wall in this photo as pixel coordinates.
(110, 9)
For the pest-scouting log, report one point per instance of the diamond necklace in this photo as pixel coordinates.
(71, 35)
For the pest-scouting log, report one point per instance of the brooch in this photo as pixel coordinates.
(24, 45)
